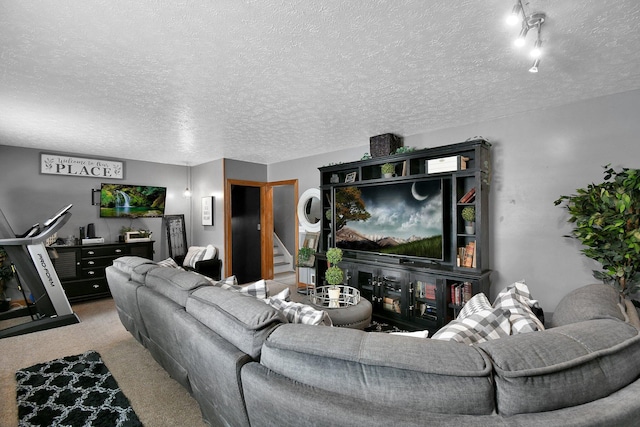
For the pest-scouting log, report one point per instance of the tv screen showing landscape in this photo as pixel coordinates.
(403, 219)
(131, 201)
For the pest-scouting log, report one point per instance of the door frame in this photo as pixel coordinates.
(266, 223)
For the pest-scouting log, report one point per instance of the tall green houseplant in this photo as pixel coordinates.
(606, 220)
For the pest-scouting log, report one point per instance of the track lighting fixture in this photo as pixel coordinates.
(532, 21)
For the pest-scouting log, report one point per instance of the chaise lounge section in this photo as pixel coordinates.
(246, 365)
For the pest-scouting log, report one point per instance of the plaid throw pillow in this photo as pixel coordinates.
(296, 312)
(477, 303)
(479, 327)
(517, 299)
(258, 289)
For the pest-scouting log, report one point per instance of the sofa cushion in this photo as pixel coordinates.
(170, 263)
(517, 299)
(597, 301)
(136, 267)
(476, 328)
(427, 375)
(565, 366)
(478, 302)
(174, 284)
(257, 289)
(242, 320)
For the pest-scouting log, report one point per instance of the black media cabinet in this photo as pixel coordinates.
(81, 268)
(411, 292)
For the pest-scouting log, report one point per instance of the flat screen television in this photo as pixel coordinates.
(131, 201)
(403, 219)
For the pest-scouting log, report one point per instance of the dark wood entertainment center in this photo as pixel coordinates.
(411, 292)
(81, 268)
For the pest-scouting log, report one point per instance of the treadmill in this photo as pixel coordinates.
(33, 265)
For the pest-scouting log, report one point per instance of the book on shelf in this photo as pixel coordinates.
(469, 196)
(469, 254)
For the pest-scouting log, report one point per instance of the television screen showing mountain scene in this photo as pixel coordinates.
(131, 201)
(403, 219)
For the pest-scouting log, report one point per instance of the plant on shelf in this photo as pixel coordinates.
(388, 169)
(402, 150)
(606, 220)
(469, 216)
(304, 257)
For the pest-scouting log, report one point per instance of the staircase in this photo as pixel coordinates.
(282, 259)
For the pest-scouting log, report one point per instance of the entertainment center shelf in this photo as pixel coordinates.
(423, 280)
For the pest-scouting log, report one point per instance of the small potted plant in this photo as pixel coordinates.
(388, 169)
(469, 216)
(334, 276)
(304, 257)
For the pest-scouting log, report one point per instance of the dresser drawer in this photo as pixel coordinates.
(98, 251)
(97, 262)
(89, 273)
(84, 289)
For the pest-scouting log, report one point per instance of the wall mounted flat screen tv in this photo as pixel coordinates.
(402, 219)
(131, 201)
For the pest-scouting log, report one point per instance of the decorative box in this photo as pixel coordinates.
(385, 144)
(447, 164)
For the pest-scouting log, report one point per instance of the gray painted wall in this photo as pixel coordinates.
(284, 208)
(537, 157)
(208, 180)
(27, 197)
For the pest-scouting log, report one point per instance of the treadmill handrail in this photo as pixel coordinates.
(39, 238)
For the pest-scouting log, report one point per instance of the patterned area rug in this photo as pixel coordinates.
(72, 391)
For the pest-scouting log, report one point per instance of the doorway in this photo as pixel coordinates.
(249, 227)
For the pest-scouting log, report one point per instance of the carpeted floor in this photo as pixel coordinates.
(157, 399)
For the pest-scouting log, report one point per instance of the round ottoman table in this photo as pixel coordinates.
(356, 316)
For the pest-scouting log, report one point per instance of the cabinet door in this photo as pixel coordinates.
(427, 300)
(66, 261)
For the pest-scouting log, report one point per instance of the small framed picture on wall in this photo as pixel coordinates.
(207, 210)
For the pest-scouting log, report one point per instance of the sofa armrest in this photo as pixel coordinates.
(210, 268)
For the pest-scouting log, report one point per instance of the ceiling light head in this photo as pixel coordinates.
(536, 52)
(535, 20)
(534, 67)
(519, 42)
(516, 14)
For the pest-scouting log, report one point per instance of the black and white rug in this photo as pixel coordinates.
(72, 391)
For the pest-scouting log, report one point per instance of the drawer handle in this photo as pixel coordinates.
(91, 253)
(118, 251)
(91, 272)
(96, 286)
(91, 262)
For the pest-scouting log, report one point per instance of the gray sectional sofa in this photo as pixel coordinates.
(245, 365)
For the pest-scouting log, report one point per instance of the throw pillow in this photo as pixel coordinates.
(296, 312)
(477, 303)
(479, 327)
(194, 254)
(169, 262)
(258, 289)
(517, 299)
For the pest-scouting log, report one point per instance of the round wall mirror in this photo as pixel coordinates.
(310, 210)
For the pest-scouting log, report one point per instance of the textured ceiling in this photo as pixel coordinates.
(269, 80)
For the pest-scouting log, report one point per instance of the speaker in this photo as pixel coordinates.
(91, 231)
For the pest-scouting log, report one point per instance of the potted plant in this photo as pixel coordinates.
(606, 220)
(388, 169)
(304, 257)
(334, 276)
(6, 273)
(469, 217)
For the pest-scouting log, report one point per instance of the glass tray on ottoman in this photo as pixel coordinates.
(348, 296)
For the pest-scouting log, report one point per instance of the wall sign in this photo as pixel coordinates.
(207, 210)
(54, 164)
